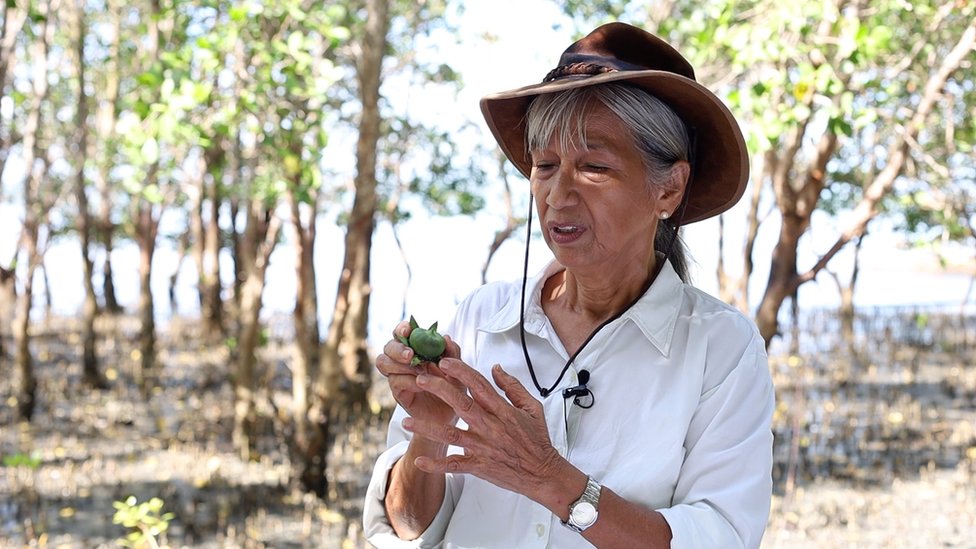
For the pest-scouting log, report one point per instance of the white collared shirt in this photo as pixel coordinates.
(683, 402)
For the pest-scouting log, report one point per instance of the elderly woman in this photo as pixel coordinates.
(604, 402)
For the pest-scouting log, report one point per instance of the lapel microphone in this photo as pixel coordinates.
(581, 395)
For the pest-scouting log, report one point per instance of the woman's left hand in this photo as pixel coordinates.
(506, 443)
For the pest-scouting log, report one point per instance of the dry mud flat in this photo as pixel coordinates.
(876, 433)
(869, 453)
(938, 509)
(97, 447)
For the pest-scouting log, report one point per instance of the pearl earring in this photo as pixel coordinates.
(665, 215)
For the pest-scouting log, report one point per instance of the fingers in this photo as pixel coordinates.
(515, 391)
(451, 392)
(448, 434)
(481, 390)
(452, 350)
(451, 464)
(396, 356)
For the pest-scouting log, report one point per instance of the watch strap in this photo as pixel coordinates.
(591, 497)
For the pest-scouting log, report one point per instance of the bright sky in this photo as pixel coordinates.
(527, 47)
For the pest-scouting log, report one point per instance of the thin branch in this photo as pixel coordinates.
(867, 209)
(928, 158)
(512, 223)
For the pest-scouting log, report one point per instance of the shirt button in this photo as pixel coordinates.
(540, 530)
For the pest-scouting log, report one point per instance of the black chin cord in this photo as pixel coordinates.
(545, 392)
(525, 282)
(581, 391)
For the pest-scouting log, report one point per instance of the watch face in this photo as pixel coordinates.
(584, 514)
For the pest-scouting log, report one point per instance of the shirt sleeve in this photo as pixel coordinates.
(376, 525)
(723, 492)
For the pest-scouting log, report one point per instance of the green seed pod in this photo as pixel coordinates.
(427, 344)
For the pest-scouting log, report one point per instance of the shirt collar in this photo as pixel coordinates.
(655, 314)
(507, 316)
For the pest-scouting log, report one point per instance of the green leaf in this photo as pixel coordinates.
(150, 78)
(338, 35)
(149, 151)
(152, 193)
(296, 41)
(840, 126)
(238, 13)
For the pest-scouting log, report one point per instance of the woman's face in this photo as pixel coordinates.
(598, 211)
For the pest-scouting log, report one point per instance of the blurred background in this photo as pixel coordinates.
(213, 213)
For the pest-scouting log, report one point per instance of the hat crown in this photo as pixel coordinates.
(621, 53)
(621, 47)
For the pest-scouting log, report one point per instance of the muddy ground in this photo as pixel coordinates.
(875, 443)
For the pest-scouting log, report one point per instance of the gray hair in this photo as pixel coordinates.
(659, 134)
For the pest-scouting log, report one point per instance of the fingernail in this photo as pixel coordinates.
(406, 354)
(407, 423)
(423, 379)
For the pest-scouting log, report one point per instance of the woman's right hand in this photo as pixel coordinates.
(394, 363)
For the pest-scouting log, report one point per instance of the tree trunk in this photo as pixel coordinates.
(182, 246)
(213, 305)
(244, 382)
(311, 427)
(847, 311)
(105, 231)
(234, 202)
(106, 116)
(35, 166)
(8, 303)
(13, 21)
(749, 243)
(236, 248)
(89, 310)
(147, 225)
(345, 356)
(206, 242)
(24, 363)
(305, 318)
(796, 204)
(725, 292)
(146, 220)
(194, 208)
(782, 275)
(343, 380)
(260, 237)
(236, 169)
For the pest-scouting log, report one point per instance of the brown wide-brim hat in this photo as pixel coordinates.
(618, 52)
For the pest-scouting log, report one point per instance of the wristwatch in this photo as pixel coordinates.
(584, 511)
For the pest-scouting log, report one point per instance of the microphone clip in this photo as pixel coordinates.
(581, 395)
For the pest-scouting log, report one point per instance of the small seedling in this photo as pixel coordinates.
(31, 461)
(145, 520)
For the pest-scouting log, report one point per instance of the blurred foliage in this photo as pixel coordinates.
(850, 67)
(30, 461)
(145, 520)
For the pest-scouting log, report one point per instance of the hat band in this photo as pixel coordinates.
(577, 69)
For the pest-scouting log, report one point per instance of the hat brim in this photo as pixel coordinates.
(721, 169)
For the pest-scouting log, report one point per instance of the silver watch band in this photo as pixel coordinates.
(584, 511)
